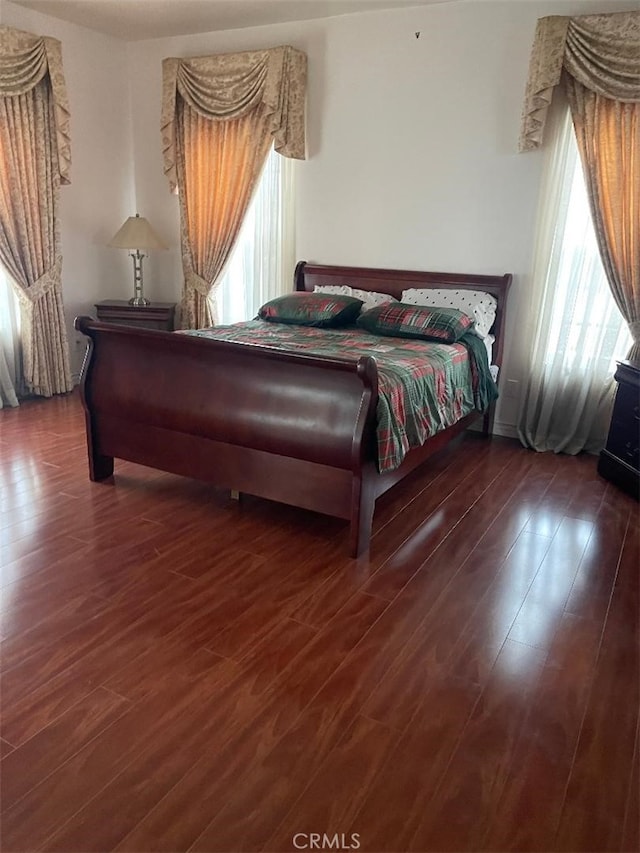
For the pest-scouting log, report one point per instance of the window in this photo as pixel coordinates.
(262, 261)
(576, 330)
(10, 366)
(586, 328)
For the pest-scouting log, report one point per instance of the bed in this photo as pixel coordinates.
(292, 427)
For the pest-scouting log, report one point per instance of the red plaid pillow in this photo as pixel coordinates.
(322, 310)
(444, 325)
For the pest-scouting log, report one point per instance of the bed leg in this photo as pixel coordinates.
(100, 467)
(487, 421)
(362, 507)
(235, 495)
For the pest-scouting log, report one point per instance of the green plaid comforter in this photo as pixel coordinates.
(423, 387)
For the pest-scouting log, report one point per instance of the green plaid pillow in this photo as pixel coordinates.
(444, 325)
(322, 310)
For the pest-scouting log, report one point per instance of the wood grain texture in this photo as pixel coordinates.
(185, 672)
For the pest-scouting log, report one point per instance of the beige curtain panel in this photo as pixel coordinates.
(220, 116)
(219, 164)
(25, 60)
(608, 136)
(229, 86)
(602, 52)
(33, 124)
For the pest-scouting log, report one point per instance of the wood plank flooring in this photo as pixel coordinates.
(180, 671)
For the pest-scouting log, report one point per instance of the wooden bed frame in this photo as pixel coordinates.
(284, 426)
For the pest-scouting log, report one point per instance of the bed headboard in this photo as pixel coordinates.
(307, 276)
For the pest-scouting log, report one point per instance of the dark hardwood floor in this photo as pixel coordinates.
(183, 672)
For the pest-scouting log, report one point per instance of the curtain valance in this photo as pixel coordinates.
(600, 51)
(25, 59)
(229, 86)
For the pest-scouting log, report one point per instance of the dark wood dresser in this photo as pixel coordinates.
(156, 315)
(620, 460)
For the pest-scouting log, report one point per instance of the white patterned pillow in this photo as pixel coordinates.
(342, 289)
(370, 298)
(477, 304)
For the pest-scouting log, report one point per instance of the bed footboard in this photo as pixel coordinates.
(288, 427)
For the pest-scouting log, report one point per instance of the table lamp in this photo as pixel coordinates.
(136, 234)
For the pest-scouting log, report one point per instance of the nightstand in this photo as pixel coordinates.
(620, 460)
(156, 315)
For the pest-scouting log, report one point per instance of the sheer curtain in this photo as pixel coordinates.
(261, 264)
(10, 364)
(578, 332)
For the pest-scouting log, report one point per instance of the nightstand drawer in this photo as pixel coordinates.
(156, 315)
(620, 460)
(627, 406)
(623, 444)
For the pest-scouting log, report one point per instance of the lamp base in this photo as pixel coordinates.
(137, 299)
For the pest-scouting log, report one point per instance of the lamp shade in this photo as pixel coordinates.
(136, 233)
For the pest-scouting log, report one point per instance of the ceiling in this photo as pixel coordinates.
(133, 20)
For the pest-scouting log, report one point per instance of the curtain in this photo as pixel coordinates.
(34, 161)
(600, 51)
(608, 134)
(220, 116)
(596, 60)
(262, 262)
(578, 330)
(218, 164)
(10, 371)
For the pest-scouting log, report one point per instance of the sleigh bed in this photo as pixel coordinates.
(287, 426)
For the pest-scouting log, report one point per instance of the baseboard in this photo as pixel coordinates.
(505, 430)
(501, 429)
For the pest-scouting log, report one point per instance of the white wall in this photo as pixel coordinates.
(101, 193)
